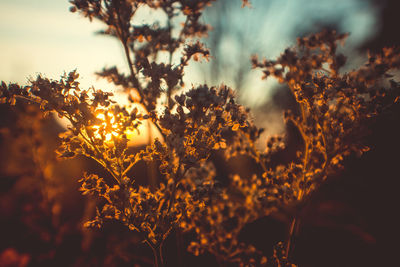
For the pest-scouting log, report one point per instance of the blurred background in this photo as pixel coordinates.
(352, 219)
(43, 37)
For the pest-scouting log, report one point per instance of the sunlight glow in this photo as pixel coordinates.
(111, 126)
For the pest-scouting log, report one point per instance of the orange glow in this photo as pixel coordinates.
(113, 126)
(143, 134)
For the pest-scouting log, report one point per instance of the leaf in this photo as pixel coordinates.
(222, 145)
(235, 127)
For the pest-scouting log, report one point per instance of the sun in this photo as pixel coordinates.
(107, 128)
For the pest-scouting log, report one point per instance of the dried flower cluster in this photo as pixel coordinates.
(334, 107)
(333, 110)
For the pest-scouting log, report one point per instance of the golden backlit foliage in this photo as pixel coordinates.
(334, 109)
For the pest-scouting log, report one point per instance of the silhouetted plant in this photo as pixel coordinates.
(334, 109)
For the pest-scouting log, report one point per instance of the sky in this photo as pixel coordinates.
(270, 26)
(43, 37)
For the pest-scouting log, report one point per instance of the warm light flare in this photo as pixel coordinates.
(112, 126)
(145, 132)
(109, 126)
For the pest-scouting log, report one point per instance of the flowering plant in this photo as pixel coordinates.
(332, 114)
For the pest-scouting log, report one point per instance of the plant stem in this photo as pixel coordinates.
(294, 226)
(290, 239)
(157, 252)
(151, 166)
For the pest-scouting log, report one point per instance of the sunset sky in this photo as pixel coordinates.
(42, 36)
